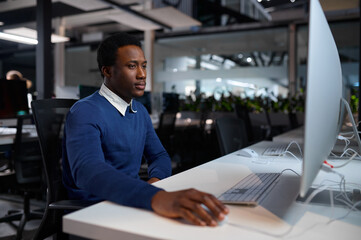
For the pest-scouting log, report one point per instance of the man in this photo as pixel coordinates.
(16, 75)
(106, 135)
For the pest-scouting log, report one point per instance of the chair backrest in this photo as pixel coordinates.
(49, 116)
(26, 155)
(231, 134)
(167, 123)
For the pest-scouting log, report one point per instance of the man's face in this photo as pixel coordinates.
(127, 77)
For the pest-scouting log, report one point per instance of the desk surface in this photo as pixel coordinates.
(107, 220)
(7, 139)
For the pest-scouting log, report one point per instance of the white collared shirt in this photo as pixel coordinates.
(115, 100)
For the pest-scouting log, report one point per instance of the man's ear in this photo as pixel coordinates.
(106, 71)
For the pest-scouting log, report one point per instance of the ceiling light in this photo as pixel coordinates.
(1, 23)
(19, 39)
(32, 34)
(241, 84)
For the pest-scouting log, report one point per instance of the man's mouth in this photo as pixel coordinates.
(140, 86)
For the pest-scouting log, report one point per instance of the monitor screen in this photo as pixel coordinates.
(85, 90)
(323, 97)
(13, 98)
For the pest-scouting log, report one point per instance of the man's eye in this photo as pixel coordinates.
(132, 66)
(144, 66)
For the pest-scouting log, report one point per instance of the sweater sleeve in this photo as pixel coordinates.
(89, 169)
(159, 163)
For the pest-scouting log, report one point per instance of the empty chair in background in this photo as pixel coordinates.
(27, 162)
(231, 134)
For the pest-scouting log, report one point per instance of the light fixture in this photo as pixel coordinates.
(1, 23)
(241, 84)
(19, 39)
(30, 35)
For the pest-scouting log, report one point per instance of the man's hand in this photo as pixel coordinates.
(153, 180)
(187, 204)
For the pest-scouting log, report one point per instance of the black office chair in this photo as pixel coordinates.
(231, 134)
(49, 115)
(166, 130)
(27, 163)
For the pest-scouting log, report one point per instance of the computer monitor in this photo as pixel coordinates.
(324, 107)
(13, 98)
(85, 90)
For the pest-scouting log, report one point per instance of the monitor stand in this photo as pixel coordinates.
(324, 197)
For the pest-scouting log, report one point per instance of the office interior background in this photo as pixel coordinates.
(204, 56)
(207, 58)
(208, 55)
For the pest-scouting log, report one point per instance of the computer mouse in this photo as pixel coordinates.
(219, 222)
(247, 152)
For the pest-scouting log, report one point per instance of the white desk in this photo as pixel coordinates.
(293, 135)
(107, 220)
(7, 139)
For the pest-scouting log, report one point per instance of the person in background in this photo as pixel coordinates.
(106, 135)
(16, 75)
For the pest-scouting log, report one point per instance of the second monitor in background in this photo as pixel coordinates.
(13, 98)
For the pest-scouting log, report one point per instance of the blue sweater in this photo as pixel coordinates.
(102, 153)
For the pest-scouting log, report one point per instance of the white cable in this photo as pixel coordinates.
(261, 231)
(293, 155)
(315, 192)
(294, 142)
(353, 207)
(347, 162)
(346, 153)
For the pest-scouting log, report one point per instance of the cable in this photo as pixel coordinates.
(261, 231)
(347, 162)
(345, 153)
(293, 155)
(294, 142)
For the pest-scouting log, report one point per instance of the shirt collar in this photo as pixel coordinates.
(115, 100)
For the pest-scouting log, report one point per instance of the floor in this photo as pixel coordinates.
(8, 231)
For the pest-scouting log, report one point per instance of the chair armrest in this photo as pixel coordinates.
(70, 204)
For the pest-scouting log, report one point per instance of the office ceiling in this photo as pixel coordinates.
(88, 21)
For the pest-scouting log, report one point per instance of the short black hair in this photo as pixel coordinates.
(107, 49)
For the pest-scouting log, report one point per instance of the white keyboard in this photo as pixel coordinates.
(275, 150)
(7, 131)
(250, 190)
(4, 131)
